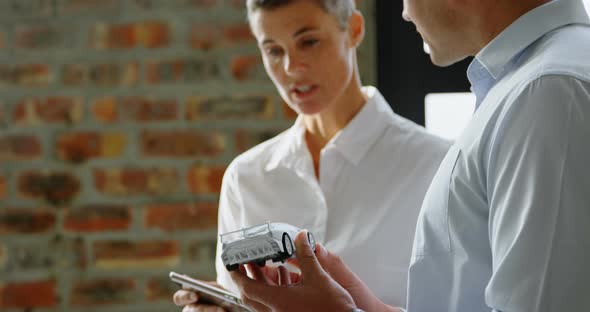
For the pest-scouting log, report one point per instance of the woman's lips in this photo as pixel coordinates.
(304, 92)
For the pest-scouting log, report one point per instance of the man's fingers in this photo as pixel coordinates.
(271, 273)
(202, 308)
(308, 263)
(295, 277)
(184, 297)
(284, 276)
(258, 274)
(256, 306)
(330, 262)
(336, 267)
(254, 290)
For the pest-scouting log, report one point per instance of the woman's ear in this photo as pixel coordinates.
(356, 28)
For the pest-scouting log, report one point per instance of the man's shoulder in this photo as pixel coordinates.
(564, 51)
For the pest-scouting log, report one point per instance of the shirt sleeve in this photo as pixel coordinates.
(229, 212)
(539, 196)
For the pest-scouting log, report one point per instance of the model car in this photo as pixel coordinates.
(259, 243)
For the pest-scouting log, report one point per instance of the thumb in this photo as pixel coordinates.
(308, 263)
(335, 267)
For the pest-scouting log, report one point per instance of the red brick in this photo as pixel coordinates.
(136, 181)
(83, 6)
(206, 36)
(103, 292)
(247, 67)
(153, 34)
(81, 146)
(3, 257)
(28, 295)
(105, 110)
(143, 109)
(105, 36)
(180, 70)
(30, 9)
(164, 71)
(246, 139)
(181, 143)
(203, 251)
(181, 217)
(204, 4)
(46, 254)
(97, 218)
(239, 4)
(100, 75)
(126, 254)
(3, 187)
(53, 187)
(6, 75)
(205, 180)
(160, 289)
(150, 34)
(238, 33)
(237, 107)
(20, 221)
(50, 110)
(25, 75)
(75, 74)
(35, 37)
(19, 147)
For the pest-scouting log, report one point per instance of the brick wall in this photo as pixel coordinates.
(117, 121)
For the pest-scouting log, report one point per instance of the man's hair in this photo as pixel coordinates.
(340, 9)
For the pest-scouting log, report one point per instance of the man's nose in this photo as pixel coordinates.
(406, 16)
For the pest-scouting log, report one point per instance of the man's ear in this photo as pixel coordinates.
(356, 28)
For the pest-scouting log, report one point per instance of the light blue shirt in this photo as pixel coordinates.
(505, 225)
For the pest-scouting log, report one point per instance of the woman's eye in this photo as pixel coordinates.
(274, 51)
(310, 42)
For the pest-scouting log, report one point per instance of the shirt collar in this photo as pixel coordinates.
(364, 129)
(353, 141)
(492, 62)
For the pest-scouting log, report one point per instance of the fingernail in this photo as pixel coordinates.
(192, 296)
(306, 242)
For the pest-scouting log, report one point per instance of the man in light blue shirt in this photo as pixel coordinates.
(505, 225)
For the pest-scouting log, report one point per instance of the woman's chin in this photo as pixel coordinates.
(308, 108)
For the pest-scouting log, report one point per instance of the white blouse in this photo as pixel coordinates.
(373, 177)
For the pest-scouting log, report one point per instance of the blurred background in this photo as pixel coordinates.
(117, 121)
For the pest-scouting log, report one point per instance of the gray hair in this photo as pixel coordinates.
(340, 9)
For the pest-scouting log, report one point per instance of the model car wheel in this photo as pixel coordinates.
(232, 267)
(311, 240)
(287, 245)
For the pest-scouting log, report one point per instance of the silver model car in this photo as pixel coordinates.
(259, 243)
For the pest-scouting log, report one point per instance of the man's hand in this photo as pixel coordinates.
(362, 295)
(316, 291)
(189, 299)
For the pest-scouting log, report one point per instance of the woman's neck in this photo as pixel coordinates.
(321, 128)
